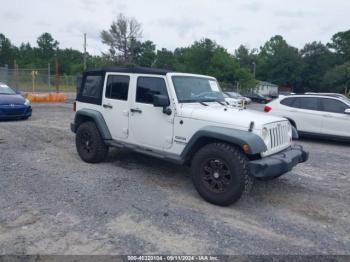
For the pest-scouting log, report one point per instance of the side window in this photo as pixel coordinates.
(117, 87)
(333, 106)
(308, 103)
(92, 86)
(288, 101)
(149, 86)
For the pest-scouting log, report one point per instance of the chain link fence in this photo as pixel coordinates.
(37, 80)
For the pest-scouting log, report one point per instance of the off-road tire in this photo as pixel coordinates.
(90, 145)
(236, 163)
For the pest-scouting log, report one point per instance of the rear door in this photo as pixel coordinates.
(115, 104)
(334, 120)
(306, 114)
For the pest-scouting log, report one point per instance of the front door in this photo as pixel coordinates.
(335, 121)
(149, 125)
(115, 105)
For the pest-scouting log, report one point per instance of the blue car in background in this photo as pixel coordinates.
(12, 104)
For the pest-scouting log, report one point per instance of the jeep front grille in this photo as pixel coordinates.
(279, 137)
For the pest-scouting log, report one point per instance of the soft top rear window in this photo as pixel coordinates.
(91, 88)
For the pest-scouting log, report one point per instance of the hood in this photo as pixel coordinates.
(11, 99)
(216, 113)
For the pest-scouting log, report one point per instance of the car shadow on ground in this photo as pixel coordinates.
(132, 160)
(166, 172)
(326, 141)
(13, 120)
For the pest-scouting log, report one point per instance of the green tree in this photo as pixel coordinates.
(165, 59)
(208, 58)
(121, 39)
(341, 45)
(27, 56)
(7, 51)
(318, 59)
(246, 57)
(70, 61)
(144, 53)
(279, 63)
(338, 79)
(47, 46)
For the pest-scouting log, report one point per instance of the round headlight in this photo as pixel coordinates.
(265, 135)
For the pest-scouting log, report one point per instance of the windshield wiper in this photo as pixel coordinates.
(202, 103)
(220, 102)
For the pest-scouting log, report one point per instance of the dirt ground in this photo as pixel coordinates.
(53, 203)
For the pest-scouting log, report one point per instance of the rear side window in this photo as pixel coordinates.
(92, 86)
(91, 89)
(149, 86)
(333, 106)
(117, 87)
(308, 103)
(288, 101)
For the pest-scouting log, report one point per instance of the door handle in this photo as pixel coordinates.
(135, 110)
(327, 116)
(108, 106)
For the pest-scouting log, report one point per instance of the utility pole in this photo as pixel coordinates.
(84, 51)
(49, 76)
(57, 76)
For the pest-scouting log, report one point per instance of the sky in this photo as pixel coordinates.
(176, 23)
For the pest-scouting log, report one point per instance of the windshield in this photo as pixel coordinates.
(6, 90)
(191, 89)
(234, 95)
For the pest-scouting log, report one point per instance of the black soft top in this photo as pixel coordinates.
(135, 70)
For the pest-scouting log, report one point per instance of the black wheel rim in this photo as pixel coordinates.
(86, 142)
(216, 175)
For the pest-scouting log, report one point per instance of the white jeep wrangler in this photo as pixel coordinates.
(182, 118)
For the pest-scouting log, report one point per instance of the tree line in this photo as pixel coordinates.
(316, 67)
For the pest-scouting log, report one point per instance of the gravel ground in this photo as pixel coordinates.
(53, 203)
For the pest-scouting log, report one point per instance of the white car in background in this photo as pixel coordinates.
(323, 115)
(238, 96)
(232, 101)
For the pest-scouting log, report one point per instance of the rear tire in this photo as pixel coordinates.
(90, 145)
(220, 173)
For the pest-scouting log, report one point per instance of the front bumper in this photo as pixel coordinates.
(278, 163)
(15, 112)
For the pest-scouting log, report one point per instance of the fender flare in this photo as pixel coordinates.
(233, 136)
(97, 117)
(295, 134)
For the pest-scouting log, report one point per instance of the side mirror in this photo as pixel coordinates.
(162, 101)
(347, 111)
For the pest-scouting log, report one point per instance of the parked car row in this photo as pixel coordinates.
(236, 99)
(257, 98)
(315, 114)
(12, 104)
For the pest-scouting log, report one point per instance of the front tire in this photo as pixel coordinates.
(90, 145)
(220, 173)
